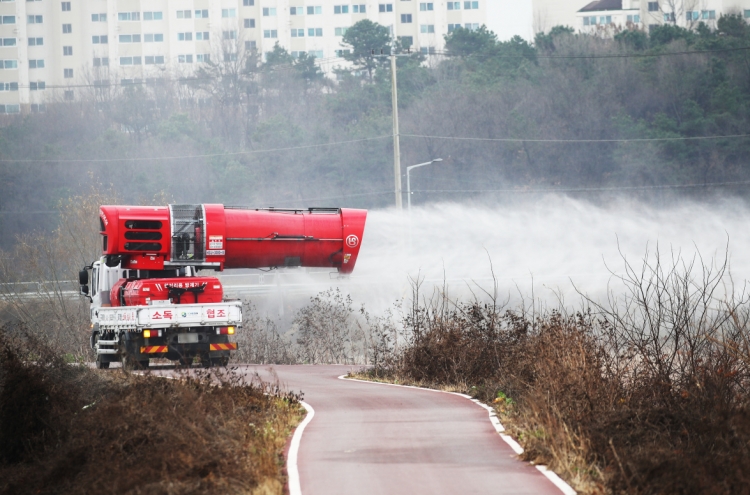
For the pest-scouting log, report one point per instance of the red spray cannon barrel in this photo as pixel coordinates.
(218, 237)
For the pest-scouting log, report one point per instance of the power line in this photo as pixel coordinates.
(619, 140)
(184, 157)
(587, 189)
(626, 55)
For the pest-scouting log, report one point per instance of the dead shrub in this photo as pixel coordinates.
(648, 393)
(70, 429)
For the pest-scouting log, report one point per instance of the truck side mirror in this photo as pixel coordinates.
(83, 278)
(85, 290)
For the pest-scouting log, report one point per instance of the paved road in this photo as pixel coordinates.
(377, 439)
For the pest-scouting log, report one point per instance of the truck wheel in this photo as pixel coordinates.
(186, 361)
(220, 361)
(129, 363)
(101, 365)
(206, 362)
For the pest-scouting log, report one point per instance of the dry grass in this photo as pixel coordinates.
(70, 429)
(649, 394)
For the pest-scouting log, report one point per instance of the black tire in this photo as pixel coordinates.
(129, 363)
(220, 361)
(101, 365)
(206, 362)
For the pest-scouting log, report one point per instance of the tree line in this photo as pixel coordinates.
(567, 112)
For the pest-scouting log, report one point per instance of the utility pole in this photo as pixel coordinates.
(396, 144)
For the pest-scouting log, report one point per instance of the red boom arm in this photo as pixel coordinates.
(218, 237)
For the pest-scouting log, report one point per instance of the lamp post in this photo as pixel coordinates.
(408, 182)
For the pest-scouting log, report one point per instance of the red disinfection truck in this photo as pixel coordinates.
(147, 297)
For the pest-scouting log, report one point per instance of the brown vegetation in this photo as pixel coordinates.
(646, 394)
(70, 429)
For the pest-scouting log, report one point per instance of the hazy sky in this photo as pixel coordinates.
(508, 18)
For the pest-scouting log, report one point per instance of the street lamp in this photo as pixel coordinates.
(408, 183)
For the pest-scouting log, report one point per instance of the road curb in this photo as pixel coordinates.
(565, 488)
(291, 463)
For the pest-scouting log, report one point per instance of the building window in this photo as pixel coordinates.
(314, 10)
(99, 17)
(153, 38)
(38, 108)
(230, 35)
(427, 28)
(405, 18)
(315, 32)
(427, 50)
(67, 28)
(385, 7)
(653, 6)
(340, 31)
(454, 5)
(708, 14)
(31, 19)
(250, 45)
(37, 86)
(36, 41)
(67, 73)
(359, 9)
(68, 95)
(249, 23)
(201, 36)
(202, 14)
(316, 53)
(424, 7)
(229, 57)
(8, 19)
(341, 53)
(10, 108)
(298, 33)
(154, 59)
(10, 41)
(669, 17)
(605, 19)
(269, 11)
(296, 11)
(153, 16)
(248, 3)
(97, 40)
(185, 59)
(12, 86)
(184, 36)
(11, 64)
(471, 5)
(66, 6)
(34, 64)
(203, 57)
(184, 14)
(453, 27)
(129, 16)
(130, 38)
(270, 33)
(635, 19)
(471, 27)
(67, 51)
(340, 9)
(228, 13)
(104, 61)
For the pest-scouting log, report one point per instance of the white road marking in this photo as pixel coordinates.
(551, 475)
(291, 463)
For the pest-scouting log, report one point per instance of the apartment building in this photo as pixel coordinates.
(50, 49)
(606, 16)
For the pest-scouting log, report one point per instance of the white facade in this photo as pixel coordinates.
(550, 13)
(52, 48)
